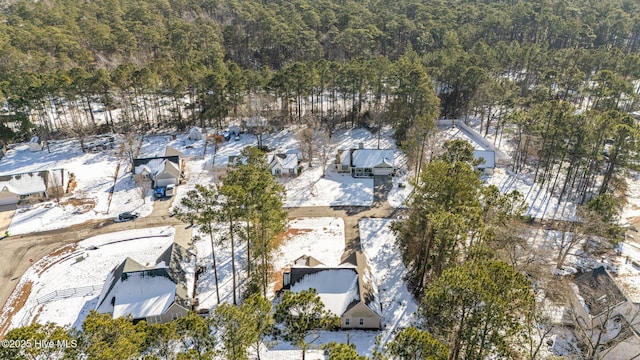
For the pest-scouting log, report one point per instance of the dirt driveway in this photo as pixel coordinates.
(6, 215)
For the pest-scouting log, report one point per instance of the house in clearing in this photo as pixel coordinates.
(156, 294)
(161, 170)
(363, 162)
(604, 315)
(347, 290)
(284, 164)
(33, 186)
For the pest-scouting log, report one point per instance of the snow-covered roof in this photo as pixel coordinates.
(337, 288)
(35, 139)
(140, 291)
(158, 166)
(370, 158)
(142, 294)
(34, 182)
(345, 157)
(287, 161)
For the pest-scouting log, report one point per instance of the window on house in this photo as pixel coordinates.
(347, 321)
(361, 321)
(292, 171)
(345, 167)
(277, 171)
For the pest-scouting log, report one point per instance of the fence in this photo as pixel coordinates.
(68, 293)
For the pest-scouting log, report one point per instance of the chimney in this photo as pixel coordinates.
(360, 146)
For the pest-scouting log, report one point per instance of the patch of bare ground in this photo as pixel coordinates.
(286, 235)
(72, 183)
(16, 304)
(55, 257)
(276, 278)
(79, 202)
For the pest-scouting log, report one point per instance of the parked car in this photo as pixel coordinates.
(126, 216)
(168, 191)
(160, 192)
(236, 138)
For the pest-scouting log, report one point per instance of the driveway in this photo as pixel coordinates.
(6, 215)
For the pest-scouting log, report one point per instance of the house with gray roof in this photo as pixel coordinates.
(161, 170)
(156, 294)
(363, 162)
(347, 290)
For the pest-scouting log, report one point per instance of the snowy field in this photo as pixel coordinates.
(87, 265)
(95, 175)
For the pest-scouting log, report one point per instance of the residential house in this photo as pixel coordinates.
(156, 294)
(34, 185)
(35, 144)
(365, 162)
(162, 170)
(284, 164)
(347, 290)
(604, 315)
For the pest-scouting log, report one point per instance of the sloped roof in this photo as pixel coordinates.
(306, 260)
(140, 291)
(157, 166)
(598, 290)
(169, 151)
(286, 161)
(33, 182)
(352, 280)
(367, 286)
(337, 288)
(370, 158)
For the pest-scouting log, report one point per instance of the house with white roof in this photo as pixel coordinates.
(161, 170)
(347, 291)
(156, 294)
(363, 162)
(34, 185)
(284, 164)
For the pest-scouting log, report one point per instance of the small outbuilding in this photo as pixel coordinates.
(195, 134)
(35, 144)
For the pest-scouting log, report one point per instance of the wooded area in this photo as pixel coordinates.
(558, 78)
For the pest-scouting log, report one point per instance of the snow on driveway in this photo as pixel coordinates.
(84, 267)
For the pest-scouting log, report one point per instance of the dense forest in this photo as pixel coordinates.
(556, 79)
(558, 75)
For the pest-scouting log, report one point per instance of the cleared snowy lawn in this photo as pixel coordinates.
(94, 176)
(322, 238)
(56, 272)
(311, 189)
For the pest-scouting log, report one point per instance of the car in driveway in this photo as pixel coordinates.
(126, 216)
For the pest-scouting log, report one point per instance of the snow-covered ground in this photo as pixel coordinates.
(398, 306)
(322, 238)
(88, 265)
(311, 188)
(631, 210)
(95, 175)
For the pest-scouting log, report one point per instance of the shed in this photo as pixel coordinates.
(195, 134)
(35, 144)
